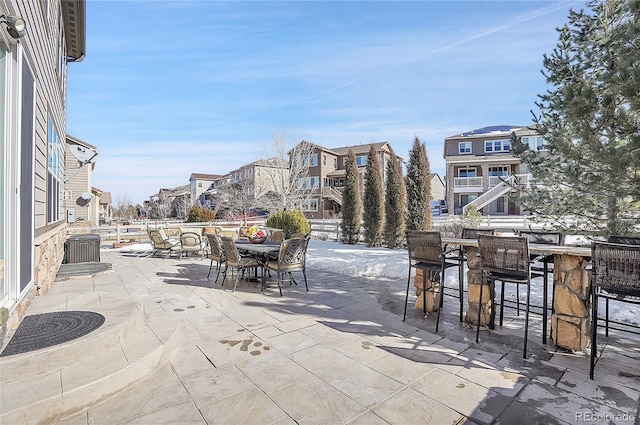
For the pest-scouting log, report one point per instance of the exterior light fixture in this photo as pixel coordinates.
(16, 27)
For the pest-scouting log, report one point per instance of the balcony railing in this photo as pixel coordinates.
(467, 182)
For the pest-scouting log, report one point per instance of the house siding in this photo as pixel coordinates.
(40, 52)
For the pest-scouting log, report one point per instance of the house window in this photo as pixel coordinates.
(499, 171)
(55, 172)
(464, 147)
(310, 205)
(467, 172)
(324, 159)
(497, 145)
(534, 142)
(335, 163)
(199, 184)
(361, 161)
(466, 198)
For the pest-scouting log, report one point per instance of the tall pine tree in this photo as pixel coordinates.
(418, 188)
(589, 176)
(351, 203)
(373, 207)
(394, 204)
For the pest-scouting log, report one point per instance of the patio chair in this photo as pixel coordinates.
(459, 255)
(620, 239)
(505, 258)
(297, 236)
(292, 257)
(191, 242)
(615, 275)
(217, 254)
(162, 243)
(543, 265)
(426, 254)
(228, 233)
(235, 261)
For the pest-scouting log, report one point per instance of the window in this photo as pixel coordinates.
(257, 172)
(465, 199)
(464, 147)
(199, 184)
(306, 160)
(466, 172)
(335, 163)
(309, 183)
(361, 161)
(55, 172)
(497, 145)
(534, 142)
(324, 159)
(499, 171)
(310, 205)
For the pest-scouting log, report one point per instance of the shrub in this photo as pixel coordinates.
(200, 215)
(290, 221)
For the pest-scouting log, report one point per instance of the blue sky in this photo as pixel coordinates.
(170, 88)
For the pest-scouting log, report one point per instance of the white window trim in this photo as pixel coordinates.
(460, 144)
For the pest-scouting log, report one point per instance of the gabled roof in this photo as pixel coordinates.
(359, 149)
(75, 140)
(494, 130)
(201, 176)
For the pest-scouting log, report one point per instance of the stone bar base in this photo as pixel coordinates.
(474, 280)
(433, 298)
(570, 322)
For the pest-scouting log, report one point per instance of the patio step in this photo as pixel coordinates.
(47, 385)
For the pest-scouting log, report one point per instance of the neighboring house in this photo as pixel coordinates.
(105, 211)
(327, 173)
(262, 176)
(170, 202)
(481, 168)
(438, 190)
(210, 197)
(199, 183)
(33, 115)
(81, 204)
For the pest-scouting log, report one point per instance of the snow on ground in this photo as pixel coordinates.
(363, 261)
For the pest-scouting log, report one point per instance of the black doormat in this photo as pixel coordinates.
(48, 329)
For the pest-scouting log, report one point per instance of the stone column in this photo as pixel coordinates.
(474, 280)
(570, 321)
(433, 291)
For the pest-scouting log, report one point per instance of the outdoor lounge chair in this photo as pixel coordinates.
(191, 242)
(615, 275)
(161, 242)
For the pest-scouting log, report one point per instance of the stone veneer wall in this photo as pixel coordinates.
(433, 291)
(47, 257)
(570, 321)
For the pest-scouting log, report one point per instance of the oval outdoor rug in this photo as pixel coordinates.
(48, 329)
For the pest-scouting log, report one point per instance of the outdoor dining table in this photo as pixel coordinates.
(570, 323)
(260, 250)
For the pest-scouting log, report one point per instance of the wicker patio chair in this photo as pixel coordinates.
(161, 242)
(505, 258)
(615, 275)
(543, 265)
(216, 254)
(291, 258)
(233, 260)
(426, 253)
(191, 242)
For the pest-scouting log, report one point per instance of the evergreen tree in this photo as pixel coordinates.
(418, 188)
(351, 203)
(589, 176)
(394, 204)
(373, 208)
